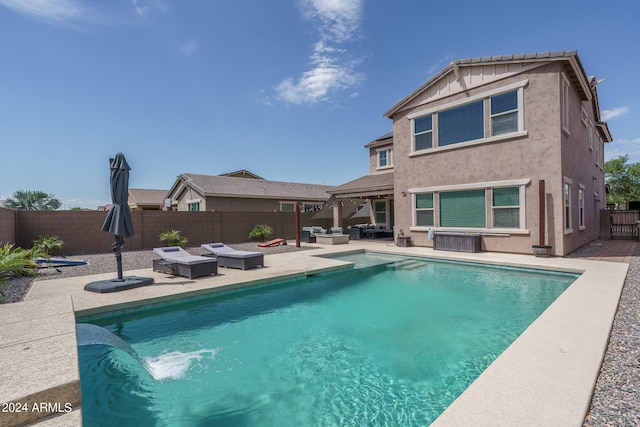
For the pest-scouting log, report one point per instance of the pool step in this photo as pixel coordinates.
(407, 264)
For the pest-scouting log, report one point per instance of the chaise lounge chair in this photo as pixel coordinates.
(178, 262)
(231, 258)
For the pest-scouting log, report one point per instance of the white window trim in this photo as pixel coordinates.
(389, 151)
(469, 100)
(502, 137)
(581, 222)
(519, 86)
(591, 135)
(564, 107)
(288, 203)
(520, 115)
(414, 211)
(522, 212)
(584, 117)
(567, 230)
(472, 186)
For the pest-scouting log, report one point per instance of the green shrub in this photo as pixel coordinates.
(261, 232)
(14, 262)
(173, 238)
(46, 244)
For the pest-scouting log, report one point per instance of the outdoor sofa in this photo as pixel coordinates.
(178, 262)
(231, 258)
(308, 234)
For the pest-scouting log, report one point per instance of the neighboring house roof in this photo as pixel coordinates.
(575, 72)
(146, 197)
(385, 139)
(366, 186)
(226, 186)
(242, 173)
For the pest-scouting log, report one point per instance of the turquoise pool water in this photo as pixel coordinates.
(390, 344)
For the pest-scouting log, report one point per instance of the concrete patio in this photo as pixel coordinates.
(547, 375)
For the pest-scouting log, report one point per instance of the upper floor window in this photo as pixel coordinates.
(423, 133)
(385, 158)
(565, 103)
(504, 113)
(193, 207)
(464, 123)
(493, 115)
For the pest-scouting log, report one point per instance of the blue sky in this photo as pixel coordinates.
(289, 89)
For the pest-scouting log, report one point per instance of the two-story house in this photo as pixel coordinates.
(470, 146)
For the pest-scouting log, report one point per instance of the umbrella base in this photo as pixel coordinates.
(115, 285)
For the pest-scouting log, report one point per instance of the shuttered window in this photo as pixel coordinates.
(463, 209)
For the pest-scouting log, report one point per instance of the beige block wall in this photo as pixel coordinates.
(535, 156)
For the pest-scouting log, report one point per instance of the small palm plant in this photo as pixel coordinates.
(46, 244)
(14, 262)
(261, 232)
(173, 238)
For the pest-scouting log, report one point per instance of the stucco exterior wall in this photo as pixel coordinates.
(545, 152)
(373, 160)
(584, 166)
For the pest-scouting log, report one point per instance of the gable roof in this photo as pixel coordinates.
(384, 139)
(146, 197)
(366, 186)
(575, 72)
(227, 186)
(242, 173)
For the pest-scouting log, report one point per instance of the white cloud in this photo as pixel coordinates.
(78, 14)
(329, 72)
(331, 66)
(190, 47)
(611, 114)
(48, 10)
(441, 63)
(144, 7)
(338, 20)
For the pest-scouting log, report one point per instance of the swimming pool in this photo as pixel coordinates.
(394, 343)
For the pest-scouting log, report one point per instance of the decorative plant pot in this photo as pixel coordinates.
(541, 250)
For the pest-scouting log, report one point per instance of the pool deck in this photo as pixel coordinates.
(545, 378)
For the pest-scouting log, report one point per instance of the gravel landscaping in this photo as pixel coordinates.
(106, 263)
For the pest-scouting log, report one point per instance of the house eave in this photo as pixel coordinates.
(577, 72)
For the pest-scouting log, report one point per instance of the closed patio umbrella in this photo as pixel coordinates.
(120, 224)
(118, 221)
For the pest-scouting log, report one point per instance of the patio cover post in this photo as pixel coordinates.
(542, 211)
(337, 213)
(297, 225)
